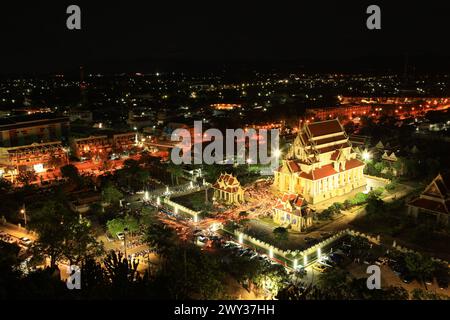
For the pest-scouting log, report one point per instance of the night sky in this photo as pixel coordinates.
(136, 34)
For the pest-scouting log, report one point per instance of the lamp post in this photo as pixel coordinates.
(125, 230)
(24, 213)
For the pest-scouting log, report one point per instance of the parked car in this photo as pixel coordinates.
(319, 267)
(381, 261)
(407, 278)
(25, 241)
(120, 235)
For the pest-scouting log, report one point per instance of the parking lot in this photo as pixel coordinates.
(355, 254)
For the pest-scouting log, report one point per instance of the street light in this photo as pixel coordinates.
(125, 230)
(24, 213)
(277, 153)
(366, 155)
(271, 253)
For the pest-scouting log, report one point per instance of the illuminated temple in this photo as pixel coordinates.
(320, 164)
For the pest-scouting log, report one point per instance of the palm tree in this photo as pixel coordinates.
(160, 238)
(176, 171)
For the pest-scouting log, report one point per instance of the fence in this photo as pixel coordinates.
(308, 256)
(387, 181)
(179, 207)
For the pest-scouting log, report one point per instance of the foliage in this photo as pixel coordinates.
(420, 294)
(27, 177)
(111, 194)
(160, 238)
(281, 234)
(190, 273)
(71, 172)
(419, 266)
(61, 233)
(118, 225)
(231, 226)
(5, 185)
(359, 198)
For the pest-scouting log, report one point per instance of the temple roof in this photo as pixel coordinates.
(436, 196)
(326, 170)
(227, 182)
(430, 205)
(323, 128)
(290, 202)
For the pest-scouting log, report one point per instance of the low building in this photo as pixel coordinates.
(292, 211)
(82, 115)
(36, 157)
(82, 201)
(92, 147)
(37, 128)
(124, 142)
(434, 201)
(228, 189)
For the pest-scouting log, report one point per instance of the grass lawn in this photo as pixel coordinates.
(194, 201)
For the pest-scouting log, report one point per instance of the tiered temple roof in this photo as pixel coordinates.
(436, 197)
(290, 202)
(316, 139)
(228, 183)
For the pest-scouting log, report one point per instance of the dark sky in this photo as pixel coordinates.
(34, 37)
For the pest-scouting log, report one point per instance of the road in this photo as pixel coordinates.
(17, 232)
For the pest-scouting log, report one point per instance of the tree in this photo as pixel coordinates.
(5, 185)
(142, 176)
(176, 172)
(442, 274)
(272, 280)
(359, 198)
(111, 194)
(375, 206)
(52, 221)
(335, 280)
(281, 234)
(62, 233)
(80, 244)
(160, 238)
(9, 274)
(27, 177)
(118, 225)
(191, 274)
(418, 266)
(71, 172)
(121, 272)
